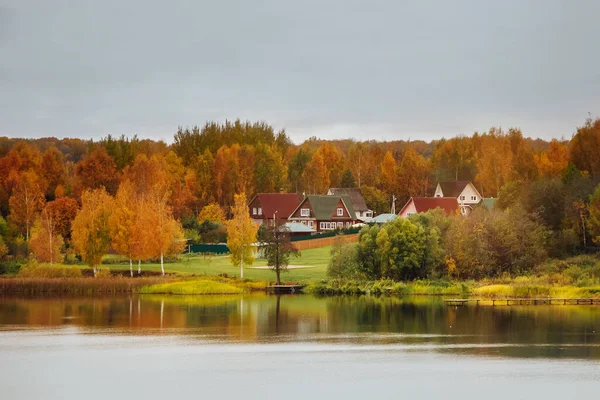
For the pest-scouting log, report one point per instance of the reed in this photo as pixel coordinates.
(76, 286)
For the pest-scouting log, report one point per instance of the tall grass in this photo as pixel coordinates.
(191, 287)
(77, 286)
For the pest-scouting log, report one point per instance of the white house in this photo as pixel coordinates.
(464, 192)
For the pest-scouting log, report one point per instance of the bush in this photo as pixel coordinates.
(9, 267)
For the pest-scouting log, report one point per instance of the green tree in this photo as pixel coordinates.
(594, 219)
(278, 249)
(348, 179)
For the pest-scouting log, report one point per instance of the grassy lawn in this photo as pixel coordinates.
(216, 265)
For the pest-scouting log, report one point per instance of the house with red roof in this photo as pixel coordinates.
(464, 191)
(417, 205)
(273, 206)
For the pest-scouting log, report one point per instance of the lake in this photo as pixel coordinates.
(294, 347)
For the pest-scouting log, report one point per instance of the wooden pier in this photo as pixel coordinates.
(523, 301)
(288, 288)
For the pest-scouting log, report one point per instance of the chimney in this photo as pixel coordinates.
(281, 191)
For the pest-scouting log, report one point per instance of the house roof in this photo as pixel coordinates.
(383, 218)
(323, 206)
(358, 201)
(297, 227)
(280, 204)
(423, 204)
(453, 188)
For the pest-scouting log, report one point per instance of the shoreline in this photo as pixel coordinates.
(211, 285)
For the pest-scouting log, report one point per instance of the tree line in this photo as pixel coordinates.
(43, 180)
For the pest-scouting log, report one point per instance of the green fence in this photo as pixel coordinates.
(208, 248)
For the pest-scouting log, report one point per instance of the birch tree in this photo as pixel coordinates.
(241, 234)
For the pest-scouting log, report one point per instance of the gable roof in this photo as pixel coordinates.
(423, 204)
(297, 227)
(358, 201)
(280, 204)
(383, 218)
(453, 188)
(323, 206)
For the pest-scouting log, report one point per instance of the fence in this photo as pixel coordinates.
(315, 242)
(208, 248)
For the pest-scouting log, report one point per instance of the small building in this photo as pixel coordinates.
(417, 205)
(325, 213)
(299, 229)
(273, 206)
(383, 218)
(363, 212)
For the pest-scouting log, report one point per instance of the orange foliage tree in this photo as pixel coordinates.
(63, 211)
(212, 212)
(97, 170)
(122, 222)
(316, 175)
(26, 201)
(46, 243)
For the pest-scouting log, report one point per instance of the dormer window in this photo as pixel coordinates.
(305, 212)
(474, 198)
(340, 212)
(254, 211)
(259, 211)
(462, 197)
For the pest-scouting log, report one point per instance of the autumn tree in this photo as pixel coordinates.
(163, 234)
(357, 157)
(413, 174)
(269, 171)
(122, 222)
(204, 180)
(585, 147)
(53, 169)
(334, 161)
(454, 159)
(97, 170)
(62, 211)
(46, 244)
(553, 162)
(316, 176)
(389, 174)
(26, 202)
(494, 162)
(212, 212)
(241, 234)
(296, 169)
(91, 229)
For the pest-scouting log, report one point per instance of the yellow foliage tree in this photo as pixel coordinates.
(122, 222)
(212, 212)
(389, 174)
(241, 234)
(91, 230)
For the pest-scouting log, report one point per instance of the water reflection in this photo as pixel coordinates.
(420, 322)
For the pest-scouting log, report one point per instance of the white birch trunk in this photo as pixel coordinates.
(131, 267)
(162, 264)
(139, 267)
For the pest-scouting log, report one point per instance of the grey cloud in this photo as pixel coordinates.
(417, 68)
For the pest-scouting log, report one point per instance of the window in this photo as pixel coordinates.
(463, 210)
(305, 212)
(347, 225)
(311, 224)
(259, 211)
(340, 225)
(254, 211)
(474, 198)
(462, 197)
(322, 225)
(408, 214)
(340, 212)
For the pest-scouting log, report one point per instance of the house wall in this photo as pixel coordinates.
(438, 191)
(467, 192)
(255, 204)
(408, 210)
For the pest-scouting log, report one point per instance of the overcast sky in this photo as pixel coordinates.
(393, 69)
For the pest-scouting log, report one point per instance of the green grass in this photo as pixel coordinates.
(218, 265)
(196, 286)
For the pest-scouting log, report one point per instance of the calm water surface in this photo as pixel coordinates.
(294, 347)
